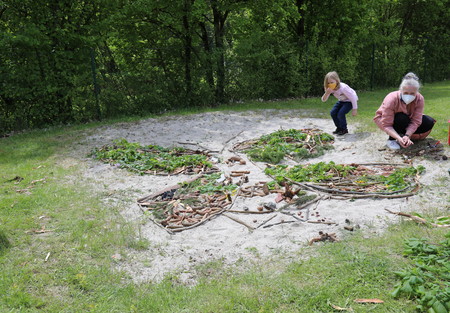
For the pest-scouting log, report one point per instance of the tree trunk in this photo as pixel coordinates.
(187, 53)
(219, 34)
(209, 72)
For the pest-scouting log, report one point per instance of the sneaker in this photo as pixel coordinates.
(342, 132)
(337, 131)
(393, 145)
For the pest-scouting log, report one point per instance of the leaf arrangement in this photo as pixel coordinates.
(297, 144)
(153, 159)
(428, 279)
(351, 177)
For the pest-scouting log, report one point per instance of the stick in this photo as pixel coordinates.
(304, 205)
(177, 186)
(46, 258)
(374, 164)
(251, 228)
(249, 212)
(294, 216)
(269, 219)
(155, 222)
(226, 142)
(320, 222)
(283, 222)
(355, 194)
(346, 197)
(416, 218)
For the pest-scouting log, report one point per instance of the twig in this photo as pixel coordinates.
(226, 142)
(355, 194)
(294, 216)
(373, 164)
(249, 212)
(269, 219)
(174, 187)
(251, 228)
(155, 222)
(46, 258)
(317, 199)
(282, 222)
(417, 219)
(198, 145)
(320, 222)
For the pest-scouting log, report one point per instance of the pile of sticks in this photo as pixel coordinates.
(176, 209)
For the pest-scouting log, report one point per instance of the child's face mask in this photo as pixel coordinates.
(332, 85)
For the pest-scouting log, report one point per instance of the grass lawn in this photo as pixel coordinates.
(69, 268)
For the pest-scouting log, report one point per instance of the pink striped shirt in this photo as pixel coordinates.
(384, 117)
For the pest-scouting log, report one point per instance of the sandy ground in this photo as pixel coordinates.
(222, 239)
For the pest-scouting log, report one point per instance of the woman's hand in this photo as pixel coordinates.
(355, 112)
(405, 141)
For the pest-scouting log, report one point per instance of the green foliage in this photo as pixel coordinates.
(71, 61)
(399, 179)
(298, 144)
(145, 159)
(428, 279)
(317, 172)
(208, 184)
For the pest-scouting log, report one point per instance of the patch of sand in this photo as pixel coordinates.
(221, 238)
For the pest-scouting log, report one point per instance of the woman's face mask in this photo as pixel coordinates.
(408, 94)
(408, 98)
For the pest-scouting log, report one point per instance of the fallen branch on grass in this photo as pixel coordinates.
(416, 219)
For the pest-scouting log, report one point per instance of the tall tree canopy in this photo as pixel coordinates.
(70, 61)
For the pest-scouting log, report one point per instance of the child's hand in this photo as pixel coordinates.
(329, 91)
(355, 112)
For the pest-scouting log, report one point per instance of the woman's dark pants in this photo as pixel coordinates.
(401, 122)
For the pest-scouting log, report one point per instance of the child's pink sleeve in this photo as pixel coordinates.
(351, 95)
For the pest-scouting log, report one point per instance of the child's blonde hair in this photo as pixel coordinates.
(334, 76)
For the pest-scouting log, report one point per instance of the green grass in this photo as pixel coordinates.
(79, 276)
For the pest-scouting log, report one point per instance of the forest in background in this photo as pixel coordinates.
(74, 61)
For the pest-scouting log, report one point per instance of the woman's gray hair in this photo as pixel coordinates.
(410, 79)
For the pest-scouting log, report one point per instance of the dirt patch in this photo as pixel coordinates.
(222, 238)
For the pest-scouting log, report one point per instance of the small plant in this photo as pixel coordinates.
(208, 184)
(428, 279)
(151, 159)
(296, 144)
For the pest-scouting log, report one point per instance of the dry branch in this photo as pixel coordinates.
(251, 228)
(416, 219)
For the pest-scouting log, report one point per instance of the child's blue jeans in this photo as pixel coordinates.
(338, 114)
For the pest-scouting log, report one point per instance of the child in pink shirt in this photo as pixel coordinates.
(347, 101)
(401, 114)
